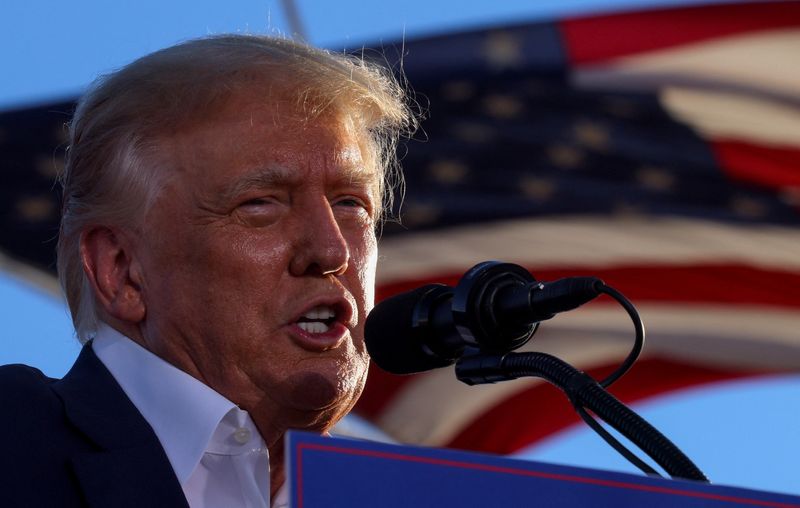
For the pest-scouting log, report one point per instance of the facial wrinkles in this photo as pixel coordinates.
(270, 176)
(355, 158)
(223, 263)
(291, 173)
(366, 270)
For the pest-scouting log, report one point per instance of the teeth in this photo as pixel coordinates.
(313, 326)
(314, 321)
(321, 312)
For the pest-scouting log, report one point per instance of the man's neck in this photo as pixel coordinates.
(277, 469)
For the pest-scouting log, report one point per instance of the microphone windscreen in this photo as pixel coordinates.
(392, 340)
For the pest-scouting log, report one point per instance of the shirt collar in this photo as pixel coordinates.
(183, 412)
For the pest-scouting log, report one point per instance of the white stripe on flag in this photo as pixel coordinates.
(739, 337)
(766, 62)
(727, 115)
(589, 242)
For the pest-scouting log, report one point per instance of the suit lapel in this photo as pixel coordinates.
(129, 466)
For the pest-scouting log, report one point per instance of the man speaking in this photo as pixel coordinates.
(218, 252)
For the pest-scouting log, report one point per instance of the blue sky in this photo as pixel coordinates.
(53, 48)
(740, 433)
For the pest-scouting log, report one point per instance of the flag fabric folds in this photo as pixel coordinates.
(658, 150)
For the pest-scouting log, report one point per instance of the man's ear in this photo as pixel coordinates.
(114, 273)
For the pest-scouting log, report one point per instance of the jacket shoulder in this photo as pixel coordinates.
(37, 441)
(21, 382)
(26, 397)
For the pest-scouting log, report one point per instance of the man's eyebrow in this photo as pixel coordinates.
(279, 176)
(359, 176)
(262, 178)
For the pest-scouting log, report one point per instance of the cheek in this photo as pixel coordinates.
(222, 271)
(358, 377)
(260, 253)
(353, 374)
(241, 256)
(366, 260)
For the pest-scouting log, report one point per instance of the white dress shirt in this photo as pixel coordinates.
(215, 449)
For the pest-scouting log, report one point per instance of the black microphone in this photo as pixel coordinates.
(495, 308)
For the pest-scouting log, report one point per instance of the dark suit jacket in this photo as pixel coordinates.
(78, 441)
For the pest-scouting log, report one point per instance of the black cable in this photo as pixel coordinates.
(638, 343)
(586, 392)
(614, 442)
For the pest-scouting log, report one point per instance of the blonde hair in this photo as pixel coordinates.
(112, 172)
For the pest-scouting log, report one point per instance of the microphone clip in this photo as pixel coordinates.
(476, 368)
(477, 301)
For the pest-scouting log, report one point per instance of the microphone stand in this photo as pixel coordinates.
(584, 392)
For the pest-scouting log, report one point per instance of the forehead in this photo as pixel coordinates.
(251, 135)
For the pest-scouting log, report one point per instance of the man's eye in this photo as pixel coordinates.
(259, 212)
(259, 207)
(353, 203)
(350, 202)
(257, 202)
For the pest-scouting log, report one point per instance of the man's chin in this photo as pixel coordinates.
(317, 392)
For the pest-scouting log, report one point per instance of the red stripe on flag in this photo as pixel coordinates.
(536, 413)
(600, 38)
(726, 284)
(774, 168)
(702, 283)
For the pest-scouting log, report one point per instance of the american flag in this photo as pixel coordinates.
(658, 150)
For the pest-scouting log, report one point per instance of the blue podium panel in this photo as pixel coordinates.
(331, 472)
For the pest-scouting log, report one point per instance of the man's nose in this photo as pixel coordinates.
(320, 247)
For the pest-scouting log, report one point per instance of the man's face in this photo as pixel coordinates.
(258, 259)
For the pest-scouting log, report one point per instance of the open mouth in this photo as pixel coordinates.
(317, 320)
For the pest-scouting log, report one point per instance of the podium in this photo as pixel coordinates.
(334, 472)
